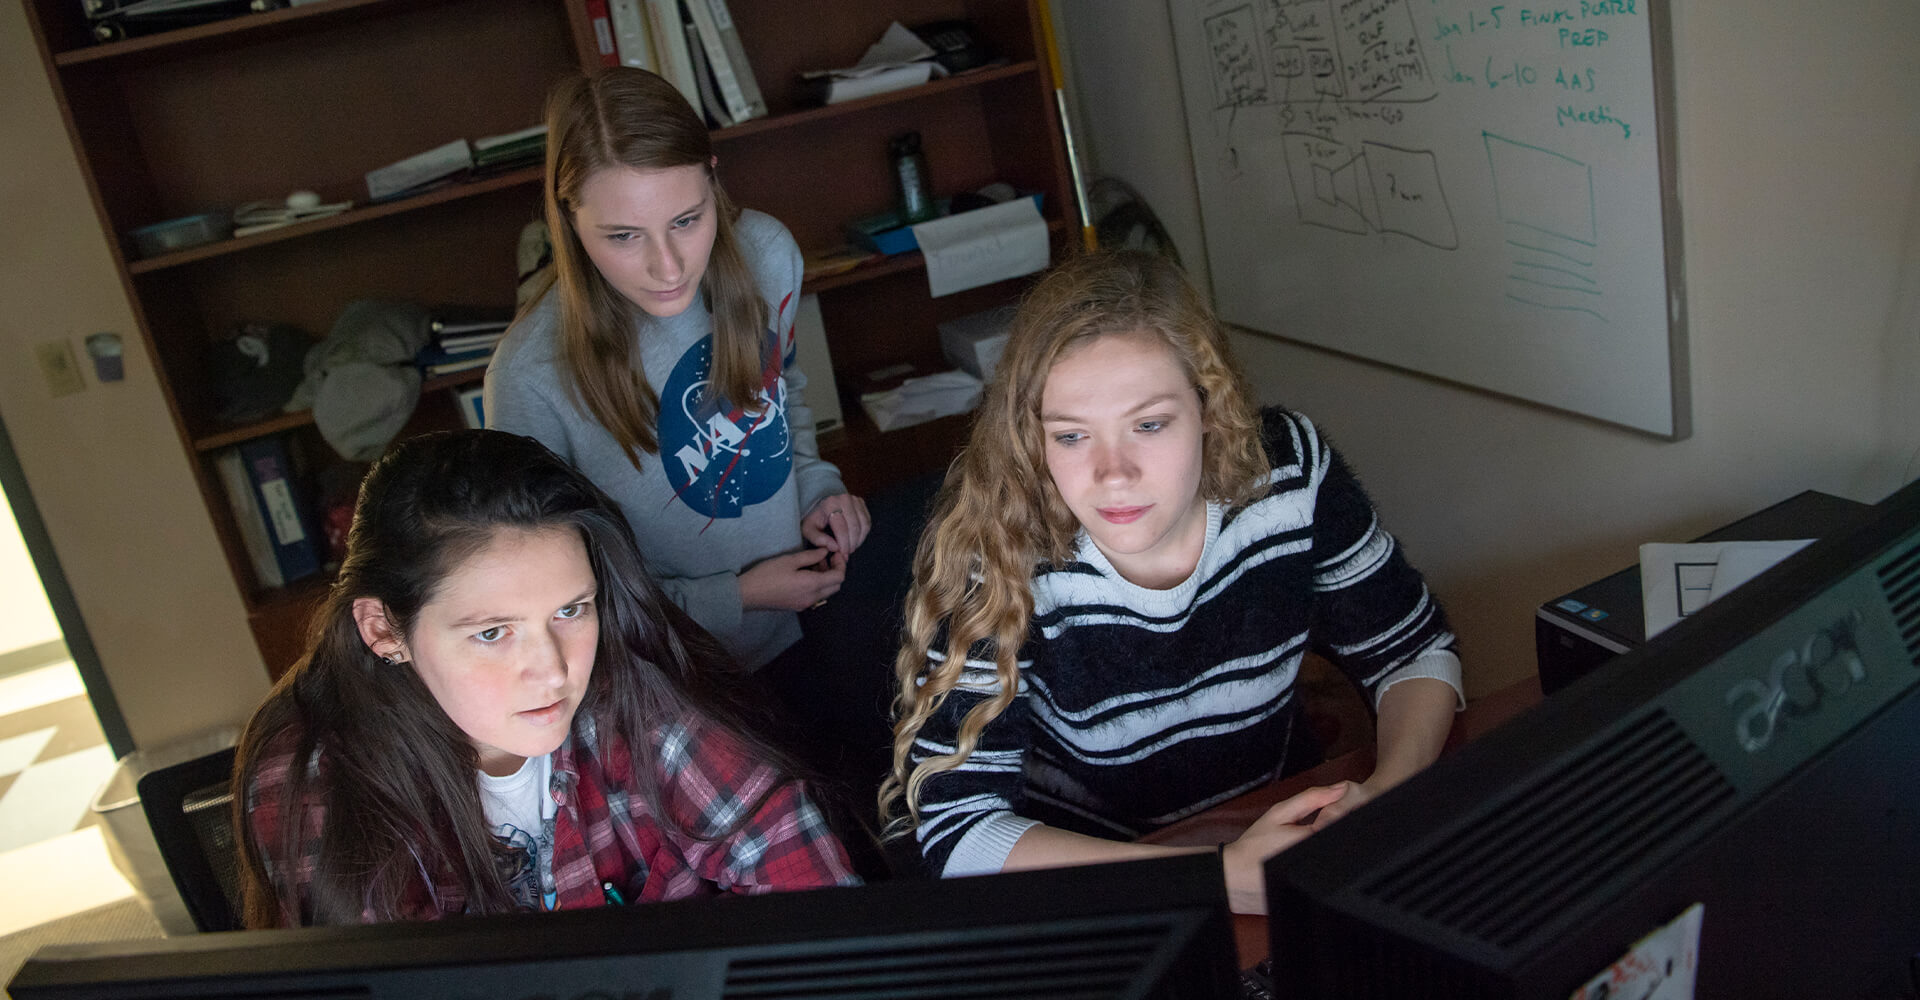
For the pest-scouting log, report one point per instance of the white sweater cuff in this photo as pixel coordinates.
(1439, 664)
(983, 850)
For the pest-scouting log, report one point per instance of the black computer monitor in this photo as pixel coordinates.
(1761, 759)
(1157, 928)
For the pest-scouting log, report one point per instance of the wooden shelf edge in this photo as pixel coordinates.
(289, 421)
(809, 116)
(900, 263)
(278, 600)
(350, 217)
(237, 28)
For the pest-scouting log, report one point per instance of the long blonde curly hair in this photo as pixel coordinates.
(999, 515)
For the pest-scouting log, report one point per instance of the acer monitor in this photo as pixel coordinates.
(1761, 759)
(1138, 929)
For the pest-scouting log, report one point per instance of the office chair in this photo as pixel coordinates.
(190, 806)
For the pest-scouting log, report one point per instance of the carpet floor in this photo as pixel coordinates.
(126, 920)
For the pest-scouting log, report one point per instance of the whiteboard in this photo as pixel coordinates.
(1477, 192)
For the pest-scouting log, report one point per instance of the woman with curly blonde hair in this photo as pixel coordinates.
(1121, 576)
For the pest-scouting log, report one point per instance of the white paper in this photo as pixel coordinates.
(823, 393)
(897, 45)
(918, 400)
(1677, 580)
(1661, 966)
(1740, 563)
(896, 48)
(897, 78)
(983, 246)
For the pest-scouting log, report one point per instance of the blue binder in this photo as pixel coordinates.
(290, 527)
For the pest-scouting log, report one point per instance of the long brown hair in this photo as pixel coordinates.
(397, 775)
(624, 117)
(999, 514)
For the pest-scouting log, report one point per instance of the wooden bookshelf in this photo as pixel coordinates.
(312, 97)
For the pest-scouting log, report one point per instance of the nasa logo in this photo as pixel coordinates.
(719, 458)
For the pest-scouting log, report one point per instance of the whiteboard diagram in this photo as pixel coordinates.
(1314, 53)
(1382, 189)
(1547, 207)
(1472, 191)
(1364, 51)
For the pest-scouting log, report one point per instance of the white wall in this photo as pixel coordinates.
(1799, 151)
(107, 470)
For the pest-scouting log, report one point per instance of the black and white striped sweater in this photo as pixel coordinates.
(1141, 707)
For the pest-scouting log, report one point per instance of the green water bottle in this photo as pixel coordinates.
(910, 174)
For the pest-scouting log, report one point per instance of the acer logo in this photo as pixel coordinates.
(1826, 663)
(657, 993)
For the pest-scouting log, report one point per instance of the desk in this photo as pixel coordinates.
(1226, 820)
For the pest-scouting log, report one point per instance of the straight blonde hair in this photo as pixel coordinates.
(999, 515)
(624, 117)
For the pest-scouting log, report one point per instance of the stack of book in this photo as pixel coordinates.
(463, 339)
(113, 20)
(457, 160)
(514, 149)
(691, 43)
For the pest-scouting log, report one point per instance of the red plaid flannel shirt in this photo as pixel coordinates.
(605, 832)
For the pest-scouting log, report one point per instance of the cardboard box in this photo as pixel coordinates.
(973, 343)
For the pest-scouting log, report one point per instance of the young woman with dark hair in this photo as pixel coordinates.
(499, 710)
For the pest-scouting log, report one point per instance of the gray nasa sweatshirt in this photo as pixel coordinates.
(727, 488)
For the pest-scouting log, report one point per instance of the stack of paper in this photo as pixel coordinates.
(464, 337)
(1678, 580)
(897, 61)
(416, 172)
(983, 246)
(918, 400)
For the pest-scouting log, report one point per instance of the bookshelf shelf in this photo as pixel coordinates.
(242, 30)
(901, 263)
(274, 601)
(896, 264)
(303, 418)
(352, 216)
(933, 88)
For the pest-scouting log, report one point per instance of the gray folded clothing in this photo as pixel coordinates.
(361, 379)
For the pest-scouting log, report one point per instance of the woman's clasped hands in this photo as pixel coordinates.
(796, 581)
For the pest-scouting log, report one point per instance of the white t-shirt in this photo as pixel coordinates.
(520, 811)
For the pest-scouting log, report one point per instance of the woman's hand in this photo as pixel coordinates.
(792, 582)
(837, 523)
(1277, 829)
(1359, 793)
